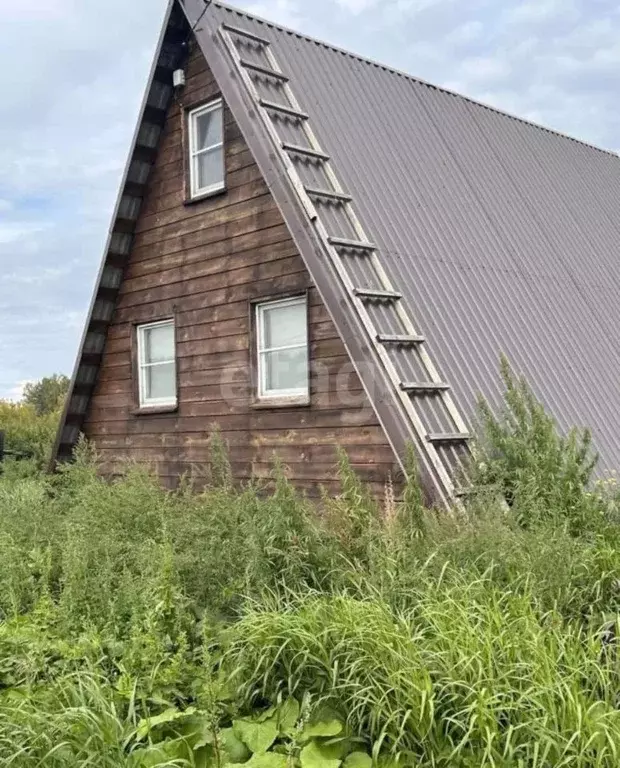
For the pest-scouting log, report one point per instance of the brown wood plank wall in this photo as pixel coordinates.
(203, 263)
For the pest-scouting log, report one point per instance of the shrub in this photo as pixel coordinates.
(28, 433)
(543, 475)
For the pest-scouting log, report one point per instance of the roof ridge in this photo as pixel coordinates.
(413, 78)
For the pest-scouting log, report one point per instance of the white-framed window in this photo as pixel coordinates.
(157, 375)
(282, 348)
(206, 149)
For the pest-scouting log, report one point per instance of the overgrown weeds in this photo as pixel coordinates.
(469, 672)
(142, 627)
(545, 476)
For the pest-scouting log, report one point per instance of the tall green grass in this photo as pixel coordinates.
(468, 675)
(485, 638)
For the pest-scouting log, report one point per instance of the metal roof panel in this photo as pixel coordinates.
(501, 234)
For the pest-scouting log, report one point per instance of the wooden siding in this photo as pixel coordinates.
(203, 263)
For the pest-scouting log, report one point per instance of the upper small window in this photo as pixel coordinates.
(282, 348)
(157, 364)
(206, 149)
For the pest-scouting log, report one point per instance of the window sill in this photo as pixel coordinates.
(205, 195)
(151, 410)
(282, 402)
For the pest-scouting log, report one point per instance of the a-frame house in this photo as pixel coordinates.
(310, 249)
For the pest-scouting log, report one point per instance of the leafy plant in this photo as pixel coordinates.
(543, 475)
(221, 472)
(284, 736)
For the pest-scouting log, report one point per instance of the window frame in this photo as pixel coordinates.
(196, 192)
(154, 403)
(264, 396)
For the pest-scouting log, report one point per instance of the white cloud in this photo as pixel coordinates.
(284, 12)
(484, 69)
(390, 11)
(402, 12)
(16, 392)
(37, 277)
(356, 6)
(535, 11)
(465, 33)
(32, 10)
(11, 233)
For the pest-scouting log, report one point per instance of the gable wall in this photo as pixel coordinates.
(203, 263)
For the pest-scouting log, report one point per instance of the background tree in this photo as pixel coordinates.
(29, 426)
(46, 395)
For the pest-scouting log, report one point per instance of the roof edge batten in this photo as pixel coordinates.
(103, 299)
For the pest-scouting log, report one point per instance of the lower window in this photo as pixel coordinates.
(282, 349)
(157, 379)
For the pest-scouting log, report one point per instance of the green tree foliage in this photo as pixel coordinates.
(47, 395)
(30, 425)
(26, 432)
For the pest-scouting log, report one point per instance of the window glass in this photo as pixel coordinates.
(160, 382)
(159, 343)
(157, 363)
(206, 149)
(282, 353)
(210, 167)
(286, 370)
(209, 128)
(284, 325)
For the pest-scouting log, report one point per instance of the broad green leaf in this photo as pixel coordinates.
(321, 728)
(315, 755)
(146, 725)
(268, 760)
(323, 713)
(205, 758)
(258, 737)
(159, 754)
(260, 717)
(236, 751)
(205, 737)
(358, 760)
(146, 758)
(337, 747)
(345, 743)
(288, 715)
(196, 731)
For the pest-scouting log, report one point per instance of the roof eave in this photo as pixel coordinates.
(73, 413)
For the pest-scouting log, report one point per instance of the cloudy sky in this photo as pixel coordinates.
(71, 79)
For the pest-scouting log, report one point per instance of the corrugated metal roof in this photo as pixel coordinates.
(501, 234)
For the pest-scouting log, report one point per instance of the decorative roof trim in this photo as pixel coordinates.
(152, 114)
